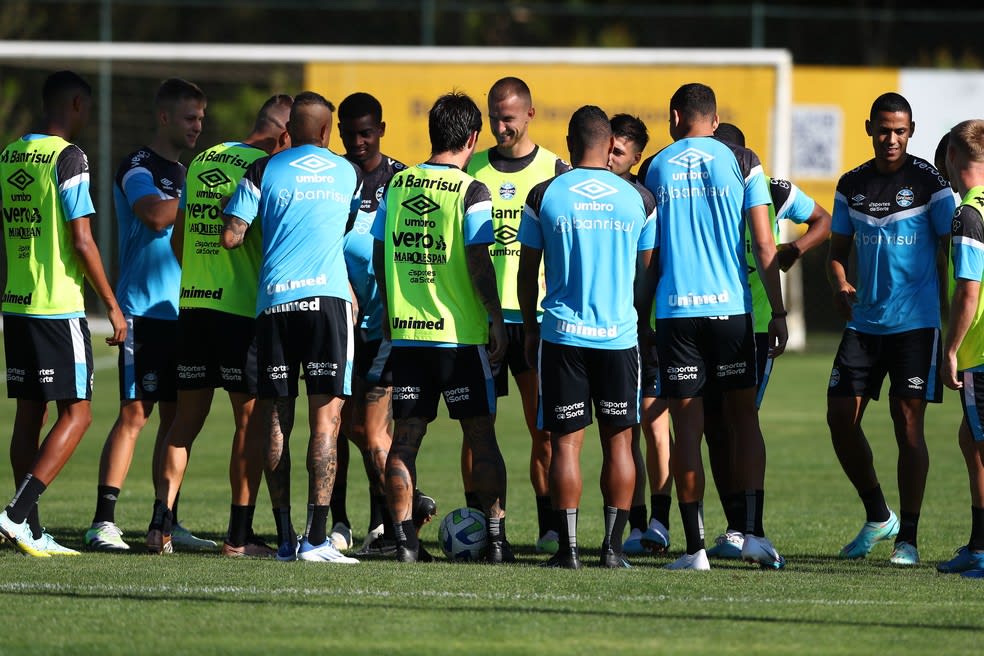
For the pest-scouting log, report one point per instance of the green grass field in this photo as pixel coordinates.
(203, 603)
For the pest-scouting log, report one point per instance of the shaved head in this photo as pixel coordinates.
(310, 119)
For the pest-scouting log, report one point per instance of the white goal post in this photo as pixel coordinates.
(766, 101)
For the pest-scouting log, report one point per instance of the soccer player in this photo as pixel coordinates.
(788, 202)
(431, 257)
(705, 191)
(216, 323)
(367, 416)
(148, 186)
(893, 211)
(593, 230)
(303, 197)
(44, 195)
(963, 359)
(510, 169)
(631, 137)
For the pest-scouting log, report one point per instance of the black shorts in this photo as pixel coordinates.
(216, 349)
(649, 362)
(314, 335)
(148, 362)
(422, 374)
(572, 377)
(972, 401)
(372, 361)
(47, 359)
(514, 360)
(698, 351)
(911, 359)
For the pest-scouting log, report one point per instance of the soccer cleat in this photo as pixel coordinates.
(696, 561)
(549, 542)
(380, 547)
(406, 554)
(564, 559)
(341, 536)
(52, 548)
(424, 508)
(904, 554)
(499, 552)
(322, 553)
(727, 545)
(20, 536)
(656, 538)
(871, 533)
(632, 545)
(760, 551)
(374, 534)
(184, 538)
(287, 550)
(254, 548)
(105, 536)
(964, 561)
(158, 542)
(423, 556)
(973, 574)
(612, 559)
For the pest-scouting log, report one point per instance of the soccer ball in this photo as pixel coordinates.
(463, 534)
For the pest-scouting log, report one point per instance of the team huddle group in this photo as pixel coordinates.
(636, 300)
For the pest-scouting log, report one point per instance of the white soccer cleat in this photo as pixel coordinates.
(182, 537)
(105, 536)
(341, 536)
(52, 548)
(760, 551)
(323, 553)
(697, 562)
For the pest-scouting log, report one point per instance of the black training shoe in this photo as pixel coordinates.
(424, 508)
(564, 559)
(424, 556)
(613, 559)
(381, 547)
(499, 552)
(405, 554)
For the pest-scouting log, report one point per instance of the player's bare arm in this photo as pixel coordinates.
(964, 307)
(88, 255)
(177, 235)
(233, 232)
(527, 290)
(817, 232)
(845, 295)
(647, 275)
(379, 267)
(155, 212)
(764, 250)
(483, 280)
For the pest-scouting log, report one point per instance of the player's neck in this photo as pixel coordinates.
(372, 164)
(164, 148)
(521, 149)
(57, 128)
(887, 168)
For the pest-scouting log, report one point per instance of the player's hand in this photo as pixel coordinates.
(950, 372)
(531, 347)
(497, 340)
(787, 255)
(778, 336)
(118, 323)
(844, 300)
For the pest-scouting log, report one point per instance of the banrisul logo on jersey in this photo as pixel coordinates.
(905, 197)
(314, 165)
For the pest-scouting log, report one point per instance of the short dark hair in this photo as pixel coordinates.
(694, 100)
(60, 84)
(452, 119)
(588, 126)
(939, 157)
(264, 115)
(632, 128)
(360, 104)
(730, 133)
(890, 102)
(509, 86)
(175, 90)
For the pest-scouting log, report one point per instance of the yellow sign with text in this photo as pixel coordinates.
(745, 96)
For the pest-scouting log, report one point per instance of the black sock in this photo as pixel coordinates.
(339, 513)
(34, 521)
(875, 508)
(754, 502)
(238, 525)
(163, 518)
(544, 515)
(106, 497)
(660, 503)
(317, 530)
(976, 542)
(497, 529)
(281, 519)
(27, 496)
(471, 500)
(567, 520)
(693, 525)
(250, 512)
(377, 511)
(174, 507)
(638, 519)
(908, 528)
(615, 519)
(733, 504)
(406, 533)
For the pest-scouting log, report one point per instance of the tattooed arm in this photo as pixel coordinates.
(483, 280)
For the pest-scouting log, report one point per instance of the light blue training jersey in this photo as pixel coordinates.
(304, 196)
(150, 276)
(590, 225)
(703, 187)
(896, 221)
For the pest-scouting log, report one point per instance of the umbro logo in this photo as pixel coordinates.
(20, 179)
(166, 183)
(420, 205)
(857, 198)
(593, 189)
(313, 163)
(691, 158)
(917, 382)
(213, 178)
(506, 234)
